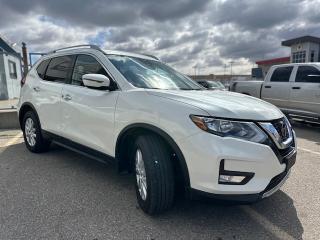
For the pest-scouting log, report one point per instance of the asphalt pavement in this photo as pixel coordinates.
(63, 195)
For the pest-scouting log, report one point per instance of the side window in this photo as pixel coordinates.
(308, 74)
(41, 69)
(86, 64)
(12, 69)
(59, 68)
(281, 74)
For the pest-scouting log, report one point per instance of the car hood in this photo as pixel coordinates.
(223, 104)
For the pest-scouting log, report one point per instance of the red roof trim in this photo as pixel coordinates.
(273, 61)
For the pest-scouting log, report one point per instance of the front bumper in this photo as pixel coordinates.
(273, 186)
(204, 152)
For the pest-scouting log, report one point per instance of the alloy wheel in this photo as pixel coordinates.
(141, 175)
(30, 132)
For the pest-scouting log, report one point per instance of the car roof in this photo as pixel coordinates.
(130, 54)
(94, 48)
(297, 64)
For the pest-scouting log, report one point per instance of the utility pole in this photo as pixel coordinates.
(224, 69)
(24, 59)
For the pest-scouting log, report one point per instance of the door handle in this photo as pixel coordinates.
(267, 86)
(67, 97)
(296, 87)
(36, 89)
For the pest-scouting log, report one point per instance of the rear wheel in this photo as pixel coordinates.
(154, 174)
(32, 134)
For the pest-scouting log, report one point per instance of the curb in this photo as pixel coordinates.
(9, 119)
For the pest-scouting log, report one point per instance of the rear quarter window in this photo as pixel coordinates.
(42, 67)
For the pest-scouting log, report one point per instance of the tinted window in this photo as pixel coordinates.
(41, 69)
(281, 74)
(59, 68)
(308, 74)
(206, 85)
(86, 64)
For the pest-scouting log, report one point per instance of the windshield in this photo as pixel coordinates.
(213, 84)
(144, 73)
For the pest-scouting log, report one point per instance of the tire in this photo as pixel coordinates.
(159, 177)
(32, 133)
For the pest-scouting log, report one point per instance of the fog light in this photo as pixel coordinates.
(230, 179)
(233, 177)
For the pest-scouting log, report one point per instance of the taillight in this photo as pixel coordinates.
(23, 81)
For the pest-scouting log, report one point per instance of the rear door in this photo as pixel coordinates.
(47, 91)
(305, 93)
(88, 114)
(277, 89)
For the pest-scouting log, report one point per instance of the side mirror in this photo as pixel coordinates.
(97, 81)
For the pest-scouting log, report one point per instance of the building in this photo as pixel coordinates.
(10, 71)
(303, 49)
(264, 66)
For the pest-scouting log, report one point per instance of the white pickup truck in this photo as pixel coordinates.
(294, 88)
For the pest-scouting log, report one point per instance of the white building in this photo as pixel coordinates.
(10, 71)
(304, 49)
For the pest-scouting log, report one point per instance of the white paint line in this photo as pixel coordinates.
(11, 141)
(265, 223)
(309, 151)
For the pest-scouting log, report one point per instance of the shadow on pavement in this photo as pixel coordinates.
(277, 210)
(307, 131)
(93, 198)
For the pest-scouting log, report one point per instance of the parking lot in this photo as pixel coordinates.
(63, 195)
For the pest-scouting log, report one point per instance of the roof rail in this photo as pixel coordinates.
(77, 46)
(152, 56)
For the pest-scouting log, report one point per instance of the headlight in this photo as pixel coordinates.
(228, 128)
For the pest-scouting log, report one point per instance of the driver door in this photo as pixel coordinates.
(88, 114)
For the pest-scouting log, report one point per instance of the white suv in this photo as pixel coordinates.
(157, 123)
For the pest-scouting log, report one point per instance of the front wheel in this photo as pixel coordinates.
(154, 174)
(32, 134)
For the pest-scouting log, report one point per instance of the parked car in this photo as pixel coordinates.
(294, 88)
(157, 123)
(212, 85)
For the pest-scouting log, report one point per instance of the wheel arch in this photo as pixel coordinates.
(25, 107)
(140, 128)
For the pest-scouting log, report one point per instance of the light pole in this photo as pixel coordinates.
(231, 63)
(195, 70)
(224, 69)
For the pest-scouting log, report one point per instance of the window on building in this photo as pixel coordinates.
(12, 69)
(86, 64)
(308, 74)
(59, 69)
(299, 57)
(281, 74)
(41, 69)
(312, 56)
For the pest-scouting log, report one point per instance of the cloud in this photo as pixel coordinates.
(183, 33)
(253, 14)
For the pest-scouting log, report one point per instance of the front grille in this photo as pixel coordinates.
(279, 131)
(281, 126)
(284, 152)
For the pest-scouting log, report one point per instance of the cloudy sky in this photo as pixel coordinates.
(208, 34)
